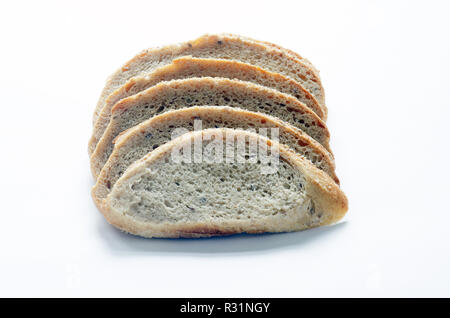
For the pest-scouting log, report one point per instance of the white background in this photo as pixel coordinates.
(385, 67)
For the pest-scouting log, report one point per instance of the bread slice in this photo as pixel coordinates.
(164, 196)
(285, 50)
(292, 54)
(178, 94)
(186, 67)
(136, 142)
(225, 46)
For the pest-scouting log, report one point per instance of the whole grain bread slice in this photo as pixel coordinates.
(186, 67)
(205, 91)
(136, 142)
(223, 46)
(162, 195)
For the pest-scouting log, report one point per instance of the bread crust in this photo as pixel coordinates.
(294, 55)
(186, 67)
(98, 157)
(329, 200)
(127, 71)
(130, 136)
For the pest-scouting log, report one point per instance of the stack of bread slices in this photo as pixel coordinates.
(219, 135)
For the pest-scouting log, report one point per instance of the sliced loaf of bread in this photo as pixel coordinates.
(162, 195)
(186, 67)
(178, 94)
(225, 46)
(136, 142)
